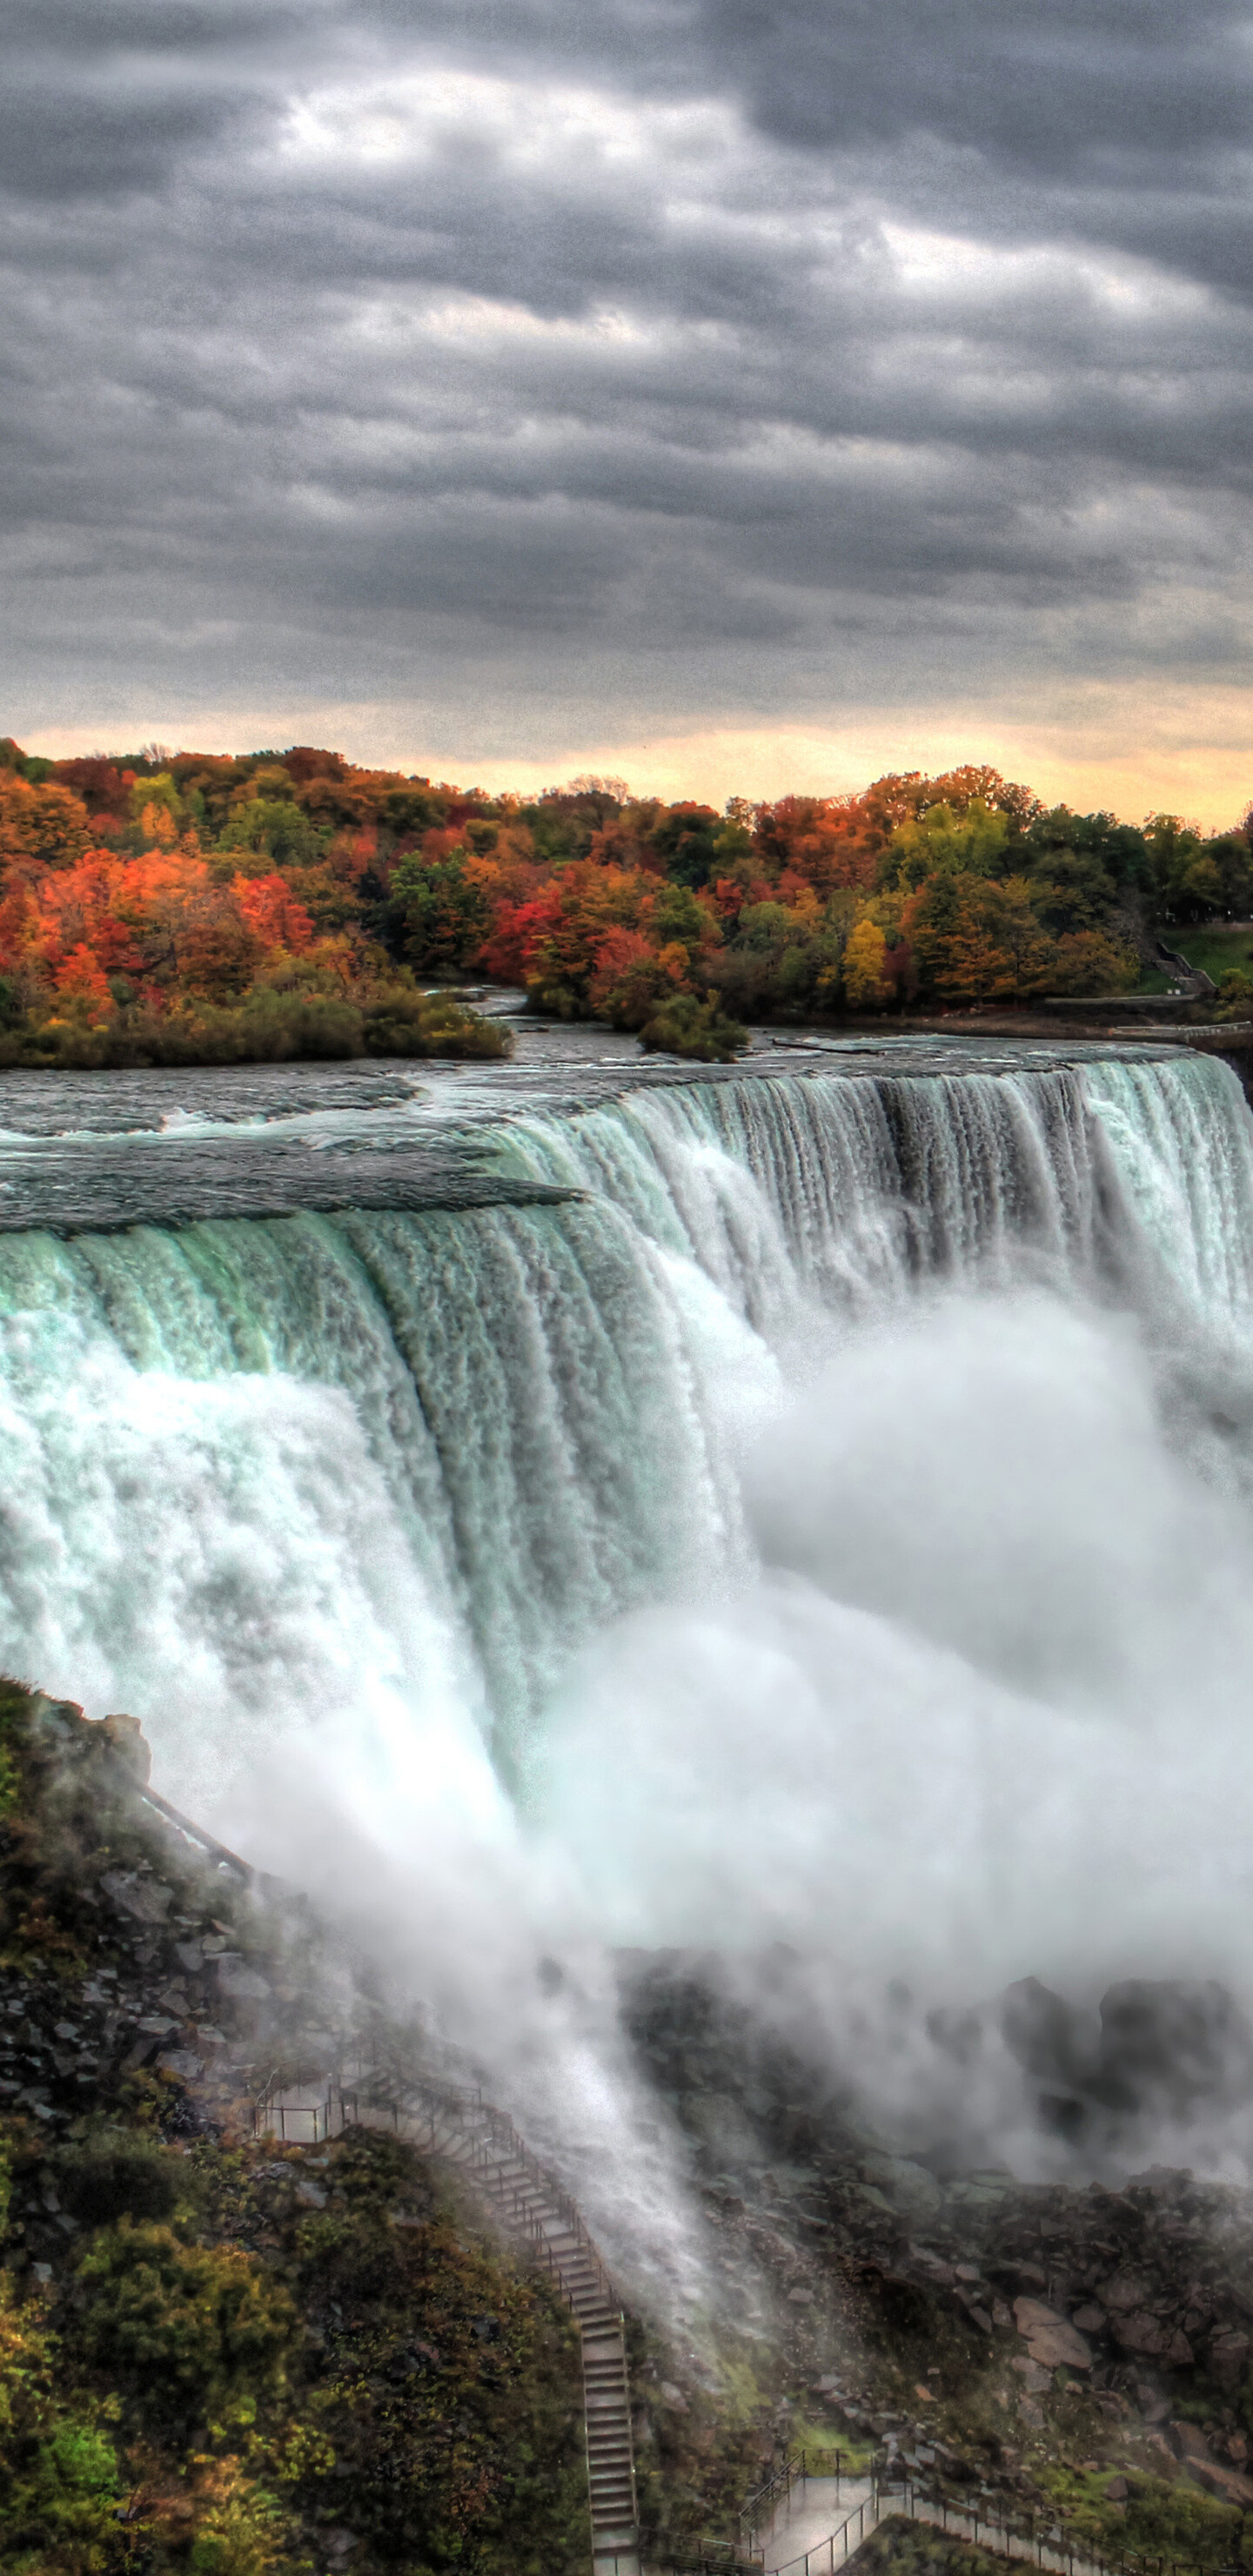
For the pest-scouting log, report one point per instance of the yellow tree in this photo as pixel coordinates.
(866, 987)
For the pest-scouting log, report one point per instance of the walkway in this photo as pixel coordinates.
(808, 2517)
(796, 2546)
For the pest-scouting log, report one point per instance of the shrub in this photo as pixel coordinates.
(1235, 992)
(429, 1024)
(185, 2324)
(266, 1027)
(687, 1027)
(119, 2175)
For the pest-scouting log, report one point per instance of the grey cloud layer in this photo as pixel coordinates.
(630, 363)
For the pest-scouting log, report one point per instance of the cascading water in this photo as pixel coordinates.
(791, 1503)
(408, 1463)
(667, 1556)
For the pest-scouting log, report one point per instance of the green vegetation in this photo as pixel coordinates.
(266, 1028)
(216, 910)
(211, 2377)
(695, 1029)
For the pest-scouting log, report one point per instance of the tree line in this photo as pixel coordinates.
(290, 902)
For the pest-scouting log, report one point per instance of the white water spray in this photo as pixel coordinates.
(834, 1525)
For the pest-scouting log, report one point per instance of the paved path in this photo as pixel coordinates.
(808, 2538)
(807, 2520)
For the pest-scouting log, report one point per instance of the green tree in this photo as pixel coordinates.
(436, 915)
(272, 827)
(973, 843)
(688, 838)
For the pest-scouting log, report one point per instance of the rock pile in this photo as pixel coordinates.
(1020, 2313)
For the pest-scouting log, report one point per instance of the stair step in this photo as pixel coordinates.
(516, 2187)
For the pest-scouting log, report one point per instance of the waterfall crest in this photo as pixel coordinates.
(404, 1464)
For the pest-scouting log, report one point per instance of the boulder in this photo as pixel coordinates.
(242, 1983)
(1125, 2291)
(1050, 2339)
(146, 1900)
(909, 2185)
(1153, 2337)
(1173, 2044)
(1228, 2353)
(1052, 2042)
(127, 1743)
(1231, 2486)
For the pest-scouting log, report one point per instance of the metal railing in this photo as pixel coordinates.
(499, 2139)
(792, 2470)
(183, 1825)
(1032, 2541)
(297, 2124)
(426, 2100)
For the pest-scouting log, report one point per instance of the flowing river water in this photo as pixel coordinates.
(574, 1503)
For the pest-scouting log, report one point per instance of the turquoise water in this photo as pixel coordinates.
(395, 1467)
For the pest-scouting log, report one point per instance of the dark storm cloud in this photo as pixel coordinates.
(615, 347)
(1046, 88)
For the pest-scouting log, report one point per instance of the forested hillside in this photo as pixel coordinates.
(184, 906)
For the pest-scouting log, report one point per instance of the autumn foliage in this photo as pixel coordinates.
(165, 892)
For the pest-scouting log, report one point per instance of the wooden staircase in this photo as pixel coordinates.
(454, 2122)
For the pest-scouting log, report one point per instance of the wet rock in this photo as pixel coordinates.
(147, 1900)
(240, 1982)
(905, 2183)
(1033, 2374)
(1230, 2485)
(1174, 2043)
(1049, 2339)
(1228, 2354)
(1053, 2043)
(126, 1741)
(183, 2063)
(1125, 2291)
(1152, 2337)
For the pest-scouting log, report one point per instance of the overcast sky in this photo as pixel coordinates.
(740, 392)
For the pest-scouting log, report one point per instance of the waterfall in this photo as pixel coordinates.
(404, 1465)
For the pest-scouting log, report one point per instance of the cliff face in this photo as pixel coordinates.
(218, 2354)
(1080, 2354)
